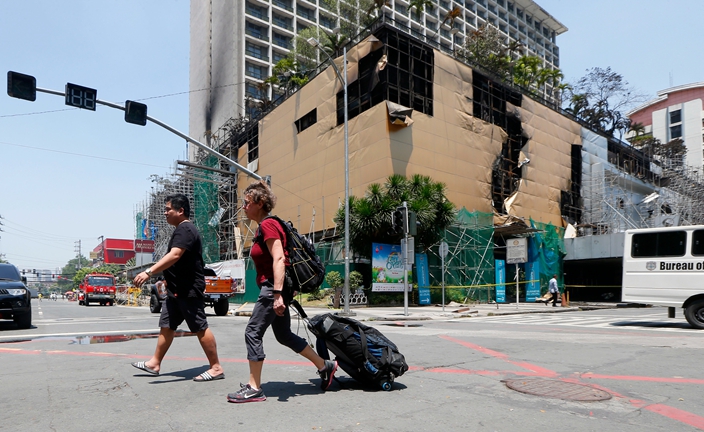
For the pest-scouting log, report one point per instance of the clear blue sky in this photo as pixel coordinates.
(69, 174)
(649, 42)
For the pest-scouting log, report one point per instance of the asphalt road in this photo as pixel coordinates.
(72, 373)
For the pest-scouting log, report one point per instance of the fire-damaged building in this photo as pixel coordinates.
(415, 109)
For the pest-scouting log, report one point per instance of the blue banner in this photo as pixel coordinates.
(533, 274)
(500, 266)
(423, 279)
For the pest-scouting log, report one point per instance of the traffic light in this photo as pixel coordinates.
(412, 226)
(21, 86)
(135, 113)
(398, 223)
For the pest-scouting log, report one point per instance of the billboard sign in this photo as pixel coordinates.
(387, 268)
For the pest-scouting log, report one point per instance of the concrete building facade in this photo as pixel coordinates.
(677, 112)
(236, 43)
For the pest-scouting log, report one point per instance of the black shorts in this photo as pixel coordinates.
(175, 310)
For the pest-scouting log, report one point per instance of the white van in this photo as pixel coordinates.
(665, 267)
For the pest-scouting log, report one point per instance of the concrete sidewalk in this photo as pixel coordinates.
(421, 313)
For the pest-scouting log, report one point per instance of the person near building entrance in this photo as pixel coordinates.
(185, 283)
(553, 290)
(272, 306)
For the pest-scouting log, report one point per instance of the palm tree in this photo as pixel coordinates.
(370, 216)
(333, 44)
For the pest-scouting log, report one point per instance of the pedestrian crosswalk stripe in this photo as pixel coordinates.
(648, 321)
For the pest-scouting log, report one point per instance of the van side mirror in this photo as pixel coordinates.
(24, 280)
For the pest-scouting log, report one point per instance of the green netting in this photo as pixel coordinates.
(548, 248)
(469, 264)
(205, 204)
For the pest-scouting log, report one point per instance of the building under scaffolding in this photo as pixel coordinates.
(502, 153)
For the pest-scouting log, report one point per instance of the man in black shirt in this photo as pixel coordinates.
(185, 283)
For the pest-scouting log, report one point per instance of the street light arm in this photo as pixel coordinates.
(314, 42)
(170, 129)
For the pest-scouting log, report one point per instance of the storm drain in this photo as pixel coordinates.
(557, 389)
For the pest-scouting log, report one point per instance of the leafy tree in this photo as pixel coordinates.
(600, 97)
(356, 280)
(71, 267)
(2, 258)
(371, 215)
(485, 47)
(673, 151)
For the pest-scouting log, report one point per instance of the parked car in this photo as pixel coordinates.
(15, 298)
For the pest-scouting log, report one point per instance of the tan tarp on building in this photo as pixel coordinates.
(452, 146)
(550, 139)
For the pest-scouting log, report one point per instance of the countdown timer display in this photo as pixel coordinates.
(81, 97)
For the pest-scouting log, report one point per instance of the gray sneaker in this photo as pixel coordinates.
(246, 394)
(327, 374)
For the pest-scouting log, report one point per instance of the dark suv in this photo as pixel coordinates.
(15, 298)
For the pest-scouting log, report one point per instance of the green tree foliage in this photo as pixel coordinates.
(334, 279)
(600, 97)
(486, 47)
(356, 280)
(70, 269)
(371, 215)
(674, 150)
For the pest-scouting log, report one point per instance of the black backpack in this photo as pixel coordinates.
(305, 272)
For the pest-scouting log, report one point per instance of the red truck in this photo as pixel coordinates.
(97, 288)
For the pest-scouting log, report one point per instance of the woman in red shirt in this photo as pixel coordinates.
(271, 308)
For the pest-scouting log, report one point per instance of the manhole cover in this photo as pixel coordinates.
(557, 389)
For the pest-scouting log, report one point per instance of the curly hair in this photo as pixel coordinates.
(260, 192)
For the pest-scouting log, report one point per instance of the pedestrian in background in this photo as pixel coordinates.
(272, 306)
(553, 290)
(185, 283)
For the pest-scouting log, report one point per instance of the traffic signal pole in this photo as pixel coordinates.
(170, 129)
(405, 259)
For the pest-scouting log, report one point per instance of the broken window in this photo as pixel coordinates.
(307, 120)
(407, 78)
(249, 137)
(490, 105)
(571, 200)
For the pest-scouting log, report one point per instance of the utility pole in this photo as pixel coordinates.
(78, 247)
(102, 249)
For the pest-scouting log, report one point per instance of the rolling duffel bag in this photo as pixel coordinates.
(362, 351)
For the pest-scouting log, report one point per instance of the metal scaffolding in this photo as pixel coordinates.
(618, 197)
